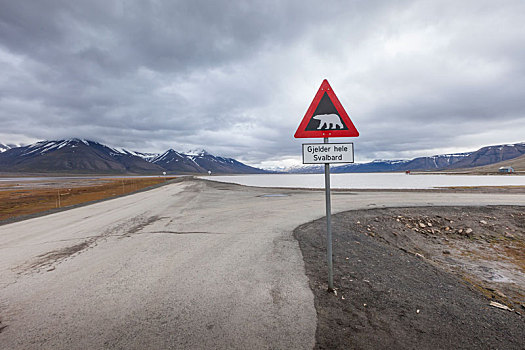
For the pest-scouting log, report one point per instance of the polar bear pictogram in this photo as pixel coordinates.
(328, 121)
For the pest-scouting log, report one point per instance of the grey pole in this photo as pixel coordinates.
(328, 225)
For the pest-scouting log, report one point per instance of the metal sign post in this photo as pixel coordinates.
(326, 118)
(328, 225)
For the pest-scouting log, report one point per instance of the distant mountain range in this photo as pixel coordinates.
(482, 157)
(90, 157)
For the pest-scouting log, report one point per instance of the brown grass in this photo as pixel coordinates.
(516, 254)
(20, 202)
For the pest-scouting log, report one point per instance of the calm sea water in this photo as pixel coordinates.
(371, 181)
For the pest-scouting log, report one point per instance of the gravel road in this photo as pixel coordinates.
(194, 264)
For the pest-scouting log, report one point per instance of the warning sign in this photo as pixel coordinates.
(326, 117)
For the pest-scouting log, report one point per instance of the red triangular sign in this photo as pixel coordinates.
(326, 117)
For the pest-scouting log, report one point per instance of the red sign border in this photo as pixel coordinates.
(303, 133)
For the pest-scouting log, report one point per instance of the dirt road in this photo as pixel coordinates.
(189, 265)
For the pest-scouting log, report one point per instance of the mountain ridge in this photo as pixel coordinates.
(86, 156)
(484, 156)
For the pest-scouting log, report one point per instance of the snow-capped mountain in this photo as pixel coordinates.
(202, 162)
(148, 157)
(85, 156)
(73, 156)
(172, 160)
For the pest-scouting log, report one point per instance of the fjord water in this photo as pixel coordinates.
(372, 180)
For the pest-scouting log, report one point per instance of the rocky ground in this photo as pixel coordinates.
(425, 278)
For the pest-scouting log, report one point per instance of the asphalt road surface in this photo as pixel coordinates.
(193, 264)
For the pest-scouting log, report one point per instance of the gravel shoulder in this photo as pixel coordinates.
(419, 278)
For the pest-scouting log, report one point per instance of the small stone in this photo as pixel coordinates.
(417, 311)
(398, 220)
(460, 230)
(422, 225)
(468, 231)
(447, 228)
(358, 222)
(429, 224)
(483, 222)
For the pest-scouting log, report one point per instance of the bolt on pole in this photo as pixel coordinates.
(328, 225)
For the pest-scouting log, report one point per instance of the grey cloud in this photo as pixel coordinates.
(237, 77)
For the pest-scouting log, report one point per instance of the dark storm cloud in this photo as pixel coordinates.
(418, 77)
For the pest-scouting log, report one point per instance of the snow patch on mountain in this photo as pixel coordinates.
(3, 147)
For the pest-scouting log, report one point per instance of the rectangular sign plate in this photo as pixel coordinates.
(322, 153)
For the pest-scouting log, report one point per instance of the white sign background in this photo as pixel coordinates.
(322, 153)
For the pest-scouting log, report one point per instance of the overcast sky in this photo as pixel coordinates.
(236, 77)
